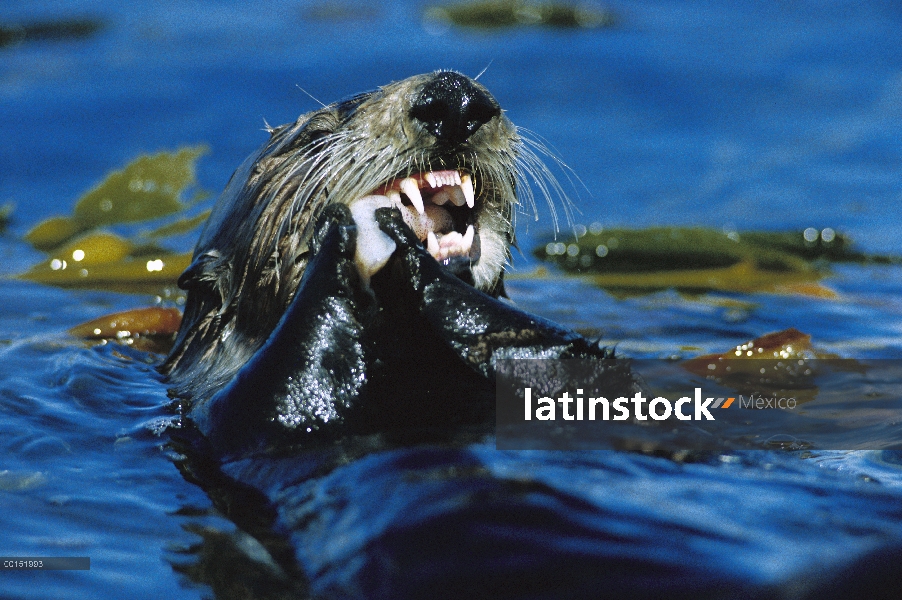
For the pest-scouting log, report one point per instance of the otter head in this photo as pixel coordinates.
(451, 156)
(436, 146)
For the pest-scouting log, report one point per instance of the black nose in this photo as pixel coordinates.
(452, 108)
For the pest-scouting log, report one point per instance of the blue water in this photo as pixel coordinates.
(730, 115)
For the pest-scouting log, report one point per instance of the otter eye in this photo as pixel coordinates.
(347, 107)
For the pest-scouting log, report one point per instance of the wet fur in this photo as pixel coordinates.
(255, 247)
(250, 318)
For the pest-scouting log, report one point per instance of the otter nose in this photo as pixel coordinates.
(452, 108)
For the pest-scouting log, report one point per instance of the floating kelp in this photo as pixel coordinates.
(128, 274)
(783, 362)
(82, 253)
(789, 345)
(699, 259)
(495, 14)
(152, 329)
(149, 187)
(93, 249)
(63, 29)
(815, 245)
(53, 232)
(142, 321)
(745, 277)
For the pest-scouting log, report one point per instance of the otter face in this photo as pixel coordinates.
(450, 165)
(436, 146)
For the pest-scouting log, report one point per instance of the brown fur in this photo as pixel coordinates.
(253, 251)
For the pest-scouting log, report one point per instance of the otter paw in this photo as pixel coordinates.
(335, 216)
(391, 221)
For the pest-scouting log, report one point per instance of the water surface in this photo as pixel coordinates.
(730, 115)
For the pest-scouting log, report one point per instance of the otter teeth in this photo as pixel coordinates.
(454, 195)
(439, 178)
(446, 186)
(466, 185)
(441, 197)
(412, 191)
(467, 242)
(451, 244)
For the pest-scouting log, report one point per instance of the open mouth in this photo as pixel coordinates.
(438, 207)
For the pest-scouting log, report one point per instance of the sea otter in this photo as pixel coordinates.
(349, 280)
(344, 305)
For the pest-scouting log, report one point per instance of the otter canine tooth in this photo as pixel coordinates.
(409, 186)
(466, 184)
(432, 244)
(467, 242)
(456, 178)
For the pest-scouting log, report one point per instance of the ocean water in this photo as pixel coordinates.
(740, 115)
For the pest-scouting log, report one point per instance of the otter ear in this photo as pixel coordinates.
(202, 271)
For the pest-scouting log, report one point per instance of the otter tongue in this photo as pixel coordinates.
(374, 247)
